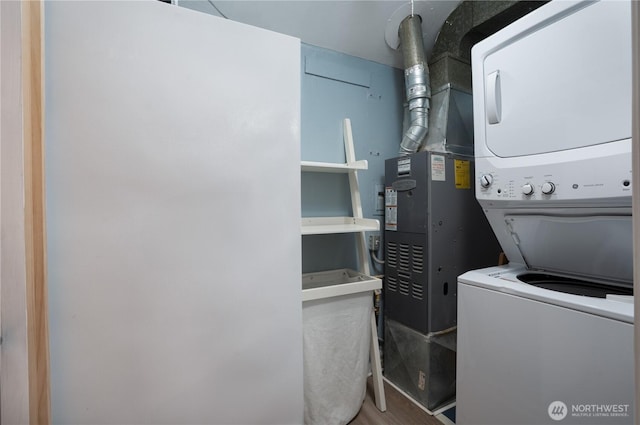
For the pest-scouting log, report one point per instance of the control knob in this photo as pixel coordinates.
(527, 189)
(548, 188)
(486, 180)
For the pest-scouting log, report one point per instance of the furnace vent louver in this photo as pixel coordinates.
(404, 258)
(416, 290)
(404, 283)
(392, 284)
(392, 255)
(408, 261)
(418, 259)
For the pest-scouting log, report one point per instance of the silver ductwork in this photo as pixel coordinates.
(418, 89)
(451, 105)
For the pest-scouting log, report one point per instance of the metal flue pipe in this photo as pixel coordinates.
(417, 84)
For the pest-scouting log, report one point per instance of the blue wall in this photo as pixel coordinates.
(337, 86)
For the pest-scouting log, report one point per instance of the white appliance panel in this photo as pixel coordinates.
(556, 79)
(173, 217)
(505, 279)
(510, 243)
(593, 175)
(516, 356)
(594, 246)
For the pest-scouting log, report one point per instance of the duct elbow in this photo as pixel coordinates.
(415, 134)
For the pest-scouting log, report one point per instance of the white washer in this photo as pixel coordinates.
(552, 129)
(522, 348)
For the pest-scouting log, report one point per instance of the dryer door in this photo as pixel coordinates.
(557, 82)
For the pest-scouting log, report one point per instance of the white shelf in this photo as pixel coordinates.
(321, 285)
(327, 225)
(335, 283)
(328, 167)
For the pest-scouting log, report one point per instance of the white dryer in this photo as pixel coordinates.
(550, 337)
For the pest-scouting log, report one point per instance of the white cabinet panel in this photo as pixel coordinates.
(516, 356)
(173, 214)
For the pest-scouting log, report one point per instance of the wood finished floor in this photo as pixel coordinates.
(400, 411)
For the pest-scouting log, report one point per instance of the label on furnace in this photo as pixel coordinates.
(463, 174)
(438, 168)
(390, 209)
(404, 166)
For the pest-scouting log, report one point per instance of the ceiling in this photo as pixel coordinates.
(356, 27)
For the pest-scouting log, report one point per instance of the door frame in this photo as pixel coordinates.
(24, 374)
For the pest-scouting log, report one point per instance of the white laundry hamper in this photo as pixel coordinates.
(336, 314)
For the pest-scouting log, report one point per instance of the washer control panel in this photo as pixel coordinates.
(579, 179)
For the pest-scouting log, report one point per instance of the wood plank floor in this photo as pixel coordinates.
(400, 411)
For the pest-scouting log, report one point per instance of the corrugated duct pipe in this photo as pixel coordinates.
(418, 88)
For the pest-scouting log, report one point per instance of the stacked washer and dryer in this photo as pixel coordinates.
(549, 337)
